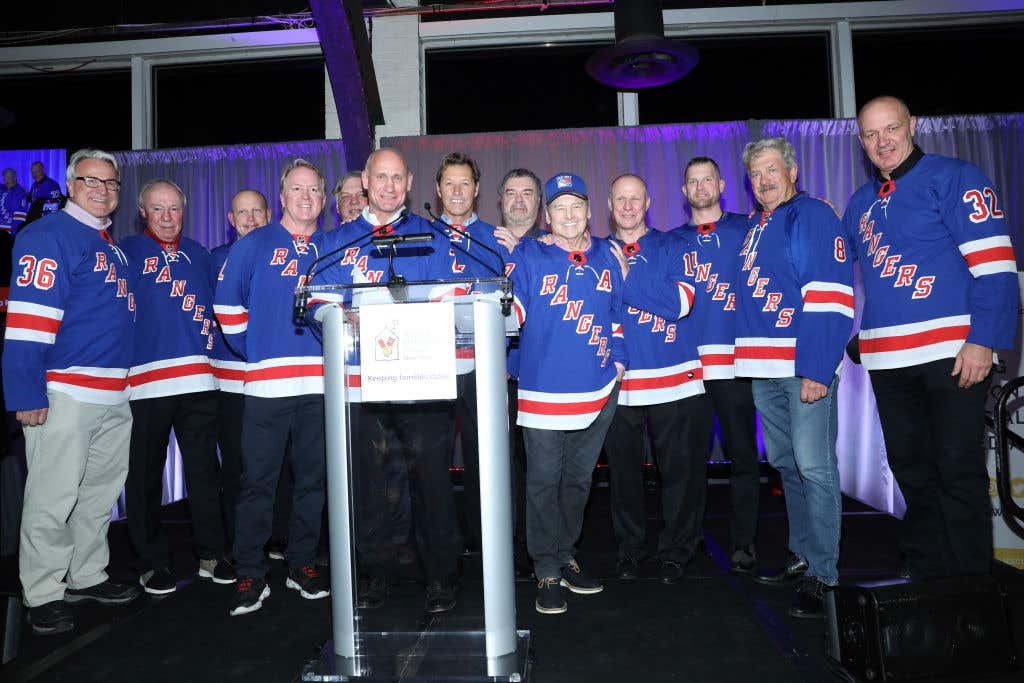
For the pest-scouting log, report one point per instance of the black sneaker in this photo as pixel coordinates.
(249, 595)
(158, 581)
(671, 571)
(440, 596)
(549, 596)
(275, 548)
(51, 618)
(373, 593)
(808, 603)
(742, 559)
(310, 583)
(628, 568)
(106, 593)
(578, 581)
(218, 571)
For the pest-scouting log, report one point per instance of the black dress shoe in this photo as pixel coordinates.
(808, 603)
(440, 596)
(628, 568)
(795, 567)
(671, 571)
(51, 618)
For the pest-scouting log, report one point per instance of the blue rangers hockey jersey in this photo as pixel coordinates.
(661, 344)
(47, 188)
(228, 364)
(569, 306)
(795, 299)
(254, 306)
(174, 327)
(359, 261)
(13, 208)
(712, 260)
(70, 316)
(937, 262)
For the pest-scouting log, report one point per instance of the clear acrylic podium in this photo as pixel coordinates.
(471, 643)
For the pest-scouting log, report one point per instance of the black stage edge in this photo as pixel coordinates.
(711, 626)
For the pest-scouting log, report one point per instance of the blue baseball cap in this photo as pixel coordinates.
(565, 183)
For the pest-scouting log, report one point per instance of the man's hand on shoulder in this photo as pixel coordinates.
(32, 418)
(973, 363)
(505, 238)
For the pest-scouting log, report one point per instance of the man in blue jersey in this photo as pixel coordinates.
(714, 237)
(173, 387)
(349, 197)
(67, 350)
(13, 202)
(43, 187)
(662, 391)
(940, 293)
(283, 387)
(794, 318)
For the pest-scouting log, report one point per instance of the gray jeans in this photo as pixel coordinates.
(559, 469)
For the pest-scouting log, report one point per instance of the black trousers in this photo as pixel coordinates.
(230, 407)
(465, 417)
(418, 438)
(267, 426)
(681, 455)
(194, 420)
(934, 434)
(517, 455)
(733, 402)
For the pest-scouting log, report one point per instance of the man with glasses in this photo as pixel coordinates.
(67, 350)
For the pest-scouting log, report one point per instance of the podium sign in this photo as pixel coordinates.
(413, 355)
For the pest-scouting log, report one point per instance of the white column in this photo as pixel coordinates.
(142, 103)
(397, 61)
(629, 108)
(332, 127)
(843, 88)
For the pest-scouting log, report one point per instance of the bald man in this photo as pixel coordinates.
(249, 211)
(940, 293)
(172, 386)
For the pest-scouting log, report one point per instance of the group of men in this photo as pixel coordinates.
(645, 333)
(19, 206)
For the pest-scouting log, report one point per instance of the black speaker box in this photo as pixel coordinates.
(943, 629)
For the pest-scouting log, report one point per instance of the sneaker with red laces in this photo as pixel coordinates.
(249, 595)
(310, 583)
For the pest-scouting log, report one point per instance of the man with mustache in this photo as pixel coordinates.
(795, 314)
(349, 197)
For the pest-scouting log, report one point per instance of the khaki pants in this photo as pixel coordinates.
(77, 464)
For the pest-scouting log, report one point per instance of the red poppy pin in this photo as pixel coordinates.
(706, 228)
(383, 230)
(300, 239)
(887, 188)
(578, 257)
(765, 215)
(631, 249)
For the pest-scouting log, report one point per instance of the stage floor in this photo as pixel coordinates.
(710, 627)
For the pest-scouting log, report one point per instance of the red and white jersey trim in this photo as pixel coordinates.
(33, 322)
(543, 410)
(989, 255)
(717, 360)
(765, 357)
(686, 293)
(230, 375)
(900, 346)
(652, 386)
(232, 319)
(171, 377)
(289, 376)
(104, 386)
(822, 297)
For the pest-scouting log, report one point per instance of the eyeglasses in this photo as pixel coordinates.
(91, 181)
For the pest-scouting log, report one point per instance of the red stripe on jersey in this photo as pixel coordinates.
(717, 359)
(824, 296)
(912, 341)
(229, 373)
(233, 318)
(169, 373)
(547, 408)
(88, 381)
(766, 352)
(674, 380)
(688, 290)
(284, 372)
(27, 321)
(981, 256)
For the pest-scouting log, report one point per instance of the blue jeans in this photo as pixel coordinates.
(801, 442)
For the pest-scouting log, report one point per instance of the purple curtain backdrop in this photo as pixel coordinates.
(54, 160)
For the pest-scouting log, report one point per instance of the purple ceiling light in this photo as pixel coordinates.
(642, 57)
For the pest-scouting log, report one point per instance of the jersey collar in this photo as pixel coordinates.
(915, 156)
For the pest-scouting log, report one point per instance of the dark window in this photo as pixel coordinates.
(529, 88)
(946, 70)
(231, 103)
(70, 110)
(764, 77)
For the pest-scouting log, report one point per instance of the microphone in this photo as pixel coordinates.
(506, 286)
(412, 238)
(301, 299)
